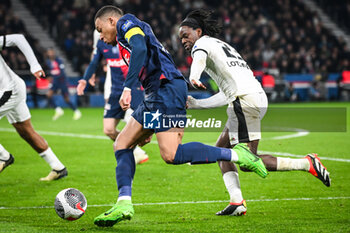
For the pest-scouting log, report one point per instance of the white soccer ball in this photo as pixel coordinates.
(70, 204)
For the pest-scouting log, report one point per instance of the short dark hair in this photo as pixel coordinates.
(108, 10)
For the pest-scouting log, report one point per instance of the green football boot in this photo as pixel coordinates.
(249, 160)
(122, 210)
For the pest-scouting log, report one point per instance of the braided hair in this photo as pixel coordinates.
(202, 19)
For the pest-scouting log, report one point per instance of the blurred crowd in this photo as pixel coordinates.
(338, 11)
(278, 37)
(9, 24)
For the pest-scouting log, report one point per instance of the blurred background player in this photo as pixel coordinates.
(116, 73)
(59, 83)
(247, 102)
(13, 106)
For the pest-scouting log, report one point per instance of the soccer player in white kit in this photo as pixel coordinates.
(13, 106)
(247, 103)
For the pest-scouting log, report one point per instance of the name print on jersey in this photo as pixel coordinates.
(232, 53)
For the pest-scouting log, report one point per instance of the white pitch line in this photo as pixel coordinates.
(185, 202)
(300, 133)
(301, 156)
(74, 135)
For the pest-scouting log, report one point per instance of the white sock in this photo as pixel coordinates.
(234, 156)
(233, 186)
(288, 164)
(124, 198)
(51, 159)
(4, 154)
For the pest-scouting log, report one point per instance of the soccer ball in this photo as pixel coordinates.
(70, 204)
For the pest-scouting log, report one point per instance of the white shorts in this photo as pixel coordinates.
(15, 108)
(244, 117)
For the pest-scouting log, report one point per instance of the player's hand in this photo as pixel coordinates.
(198, 84)
(92, 80)
(81, 86)
(39, 74)
(125, 99)
(190, 102)
(145, 141)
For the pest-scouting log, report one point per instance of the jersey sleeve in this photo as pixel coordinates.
(20, 41)
(126, 28)
(92, 65)
(201, 45)
(2, 42)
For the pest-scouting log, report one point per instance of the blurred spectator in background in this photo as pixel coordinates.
(58, 83)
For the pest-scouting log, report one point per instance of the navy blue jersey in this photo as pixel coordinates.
(56, 70)
(118, 67)
(158, 63)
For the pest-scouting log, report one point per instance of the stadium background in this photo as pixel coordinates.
(285, 39)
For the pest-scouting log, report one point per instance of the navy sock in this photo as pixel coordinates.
(125, 171)
(71, 105)
(198, 153)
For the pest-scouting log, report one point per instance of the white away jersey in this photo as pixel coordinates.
(227, 68)
(7, 76)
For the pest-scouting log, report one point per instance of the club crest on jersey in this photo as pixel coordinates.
(127, 25)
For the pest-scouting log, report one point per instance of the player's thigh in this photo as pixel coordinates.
(16, 107)
(168, 141)
(64, 91)
(18, 114)
(254, 107)
(244, 117)
(131, 134)
(110, 124)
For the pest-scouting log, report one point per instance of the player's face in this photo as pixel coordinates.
(107, 29)
(51, 54)
(189, 36)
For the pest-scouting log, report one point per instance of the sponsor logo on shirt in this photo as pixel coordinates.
(115, 62)
(127, 25)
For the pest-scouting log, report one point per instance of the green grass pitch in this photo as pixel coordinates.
(283, 202)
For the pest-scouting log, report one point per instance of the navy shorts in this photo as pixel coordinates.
(113, 109)
(169, 101)
(60, 85)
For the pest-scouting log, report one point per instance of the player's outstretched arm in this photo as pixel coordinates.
(20, 41)
(197, 68)
(39, 74)
(92, 80)
(81, 86)
(137, 58)
(214, 101)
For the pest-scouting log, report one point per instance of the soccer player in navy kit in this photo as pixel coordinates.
(59, 82)
(165, 95)
(113, 113)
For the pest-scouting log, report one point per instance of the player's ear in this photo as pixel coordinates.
(199, 32)
(111, 21)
